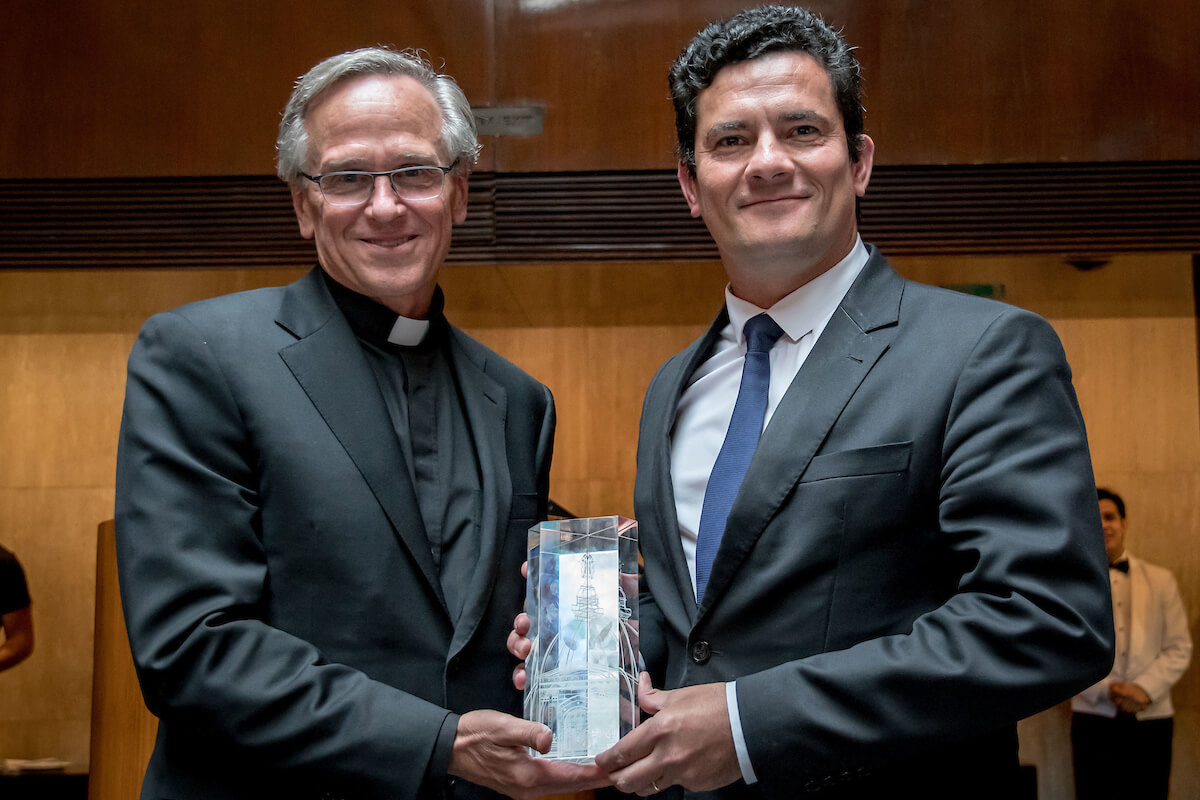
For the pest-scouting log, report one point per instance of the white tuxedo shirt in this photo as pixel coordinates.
(1160, 646)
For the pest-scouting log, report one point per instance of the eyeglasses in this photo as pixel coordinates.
(353, 187)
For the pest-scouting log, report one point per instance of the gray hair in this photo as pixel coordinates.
(458, 123)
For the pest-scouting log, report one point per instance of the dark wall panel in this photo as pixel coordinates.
(963, 82)
(101, 88)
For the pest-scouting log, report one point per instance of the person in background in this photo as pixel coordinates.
(323, 489)
(1121, 728)
(16, 615)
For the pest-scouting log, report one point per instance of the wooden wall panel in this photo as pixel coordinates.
(966, 82)
(103, 88)
(976, 81)
(594, 333)
(45, 712)
(64, 338)
(123, 729)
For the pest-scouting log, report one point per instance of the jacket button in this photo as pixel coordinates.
(701, 652)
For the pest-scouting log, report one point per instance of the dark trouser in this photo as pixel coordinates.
(1121, 757)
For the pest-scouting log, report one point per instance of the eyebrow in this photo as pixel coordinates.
(807, 115)
(725, 127)
(358, 164)
(734, 126)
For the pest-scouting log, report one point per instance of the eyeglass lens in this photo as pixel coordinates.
(410, 183)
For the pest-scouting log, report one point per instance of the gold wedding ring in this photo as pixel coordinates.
(655, 785)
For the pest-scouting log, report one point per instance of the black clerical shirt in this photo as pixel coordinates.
(425, 406)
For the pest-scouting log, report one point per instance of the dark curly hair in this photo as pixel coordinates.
(753, 33)
(1109, 494)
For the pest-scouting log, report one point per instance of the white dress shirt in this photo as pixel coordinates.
(706, 405)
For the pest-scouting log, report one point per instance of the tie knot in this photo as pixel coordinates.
(761, 333)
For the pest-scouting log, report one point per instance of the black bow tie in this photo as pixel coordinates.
(1121, 566)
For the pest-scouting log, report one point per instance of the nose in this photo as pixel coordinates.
(384, 203)
(769, 160)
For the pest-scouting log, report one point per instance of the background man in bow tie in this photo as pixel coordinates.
(1122, 727)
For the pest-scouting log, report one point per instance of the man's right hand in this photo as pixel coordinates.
(518, 641)
(519, 645)
(490, 749)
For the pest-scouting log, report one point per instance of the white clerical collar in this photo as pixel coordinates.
(806, 309)
(408, 332)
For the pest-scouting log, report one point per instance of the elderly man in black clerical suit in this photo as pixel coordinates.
(323, 489)
(863, 600)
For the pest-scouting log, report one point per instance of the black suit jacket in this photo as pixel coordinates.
(914, 561)
(285, 616)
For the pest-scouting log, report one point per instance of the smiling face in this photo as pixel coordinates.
(774, 181)
(1114, 529)
(387, 249)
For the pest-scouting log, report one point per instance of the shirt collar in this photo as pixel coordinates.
(408, 332)
(806, 309)
(378, 324)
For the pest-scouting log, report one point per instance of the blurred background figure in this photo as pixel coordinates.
(16, 620)
(1121, 728)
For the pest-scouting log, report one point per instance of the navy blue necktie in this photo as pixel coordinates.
(740, 442)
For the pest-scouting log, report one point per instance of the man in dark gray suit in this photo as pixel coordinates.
(864, 601)
(323, 489)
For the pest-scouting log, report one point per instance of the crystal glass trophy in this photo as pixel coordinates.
(581, 598)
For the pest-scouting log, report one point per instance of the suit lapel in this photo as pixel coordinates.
(327, 362)
(485, 403)
(680, 609)
(856, 337)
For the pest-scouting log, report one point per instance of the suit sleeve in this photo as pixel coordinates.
(195, 589)
(1027, 622)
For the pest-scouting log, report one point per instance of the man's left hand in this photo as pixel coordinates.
(688, 741)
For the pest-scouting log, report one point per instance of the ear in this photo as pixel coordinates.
(862, 167)
(306, 214)
(687, 182)
(458, 198)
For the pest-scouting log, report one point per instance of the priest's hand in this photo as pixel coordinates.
(490, 749)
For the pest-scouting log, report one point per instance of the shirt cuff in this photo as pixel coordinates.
(739, 741)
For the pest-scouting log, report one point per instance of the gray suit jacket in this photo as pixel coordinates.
(914, 561)
(285, 615)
